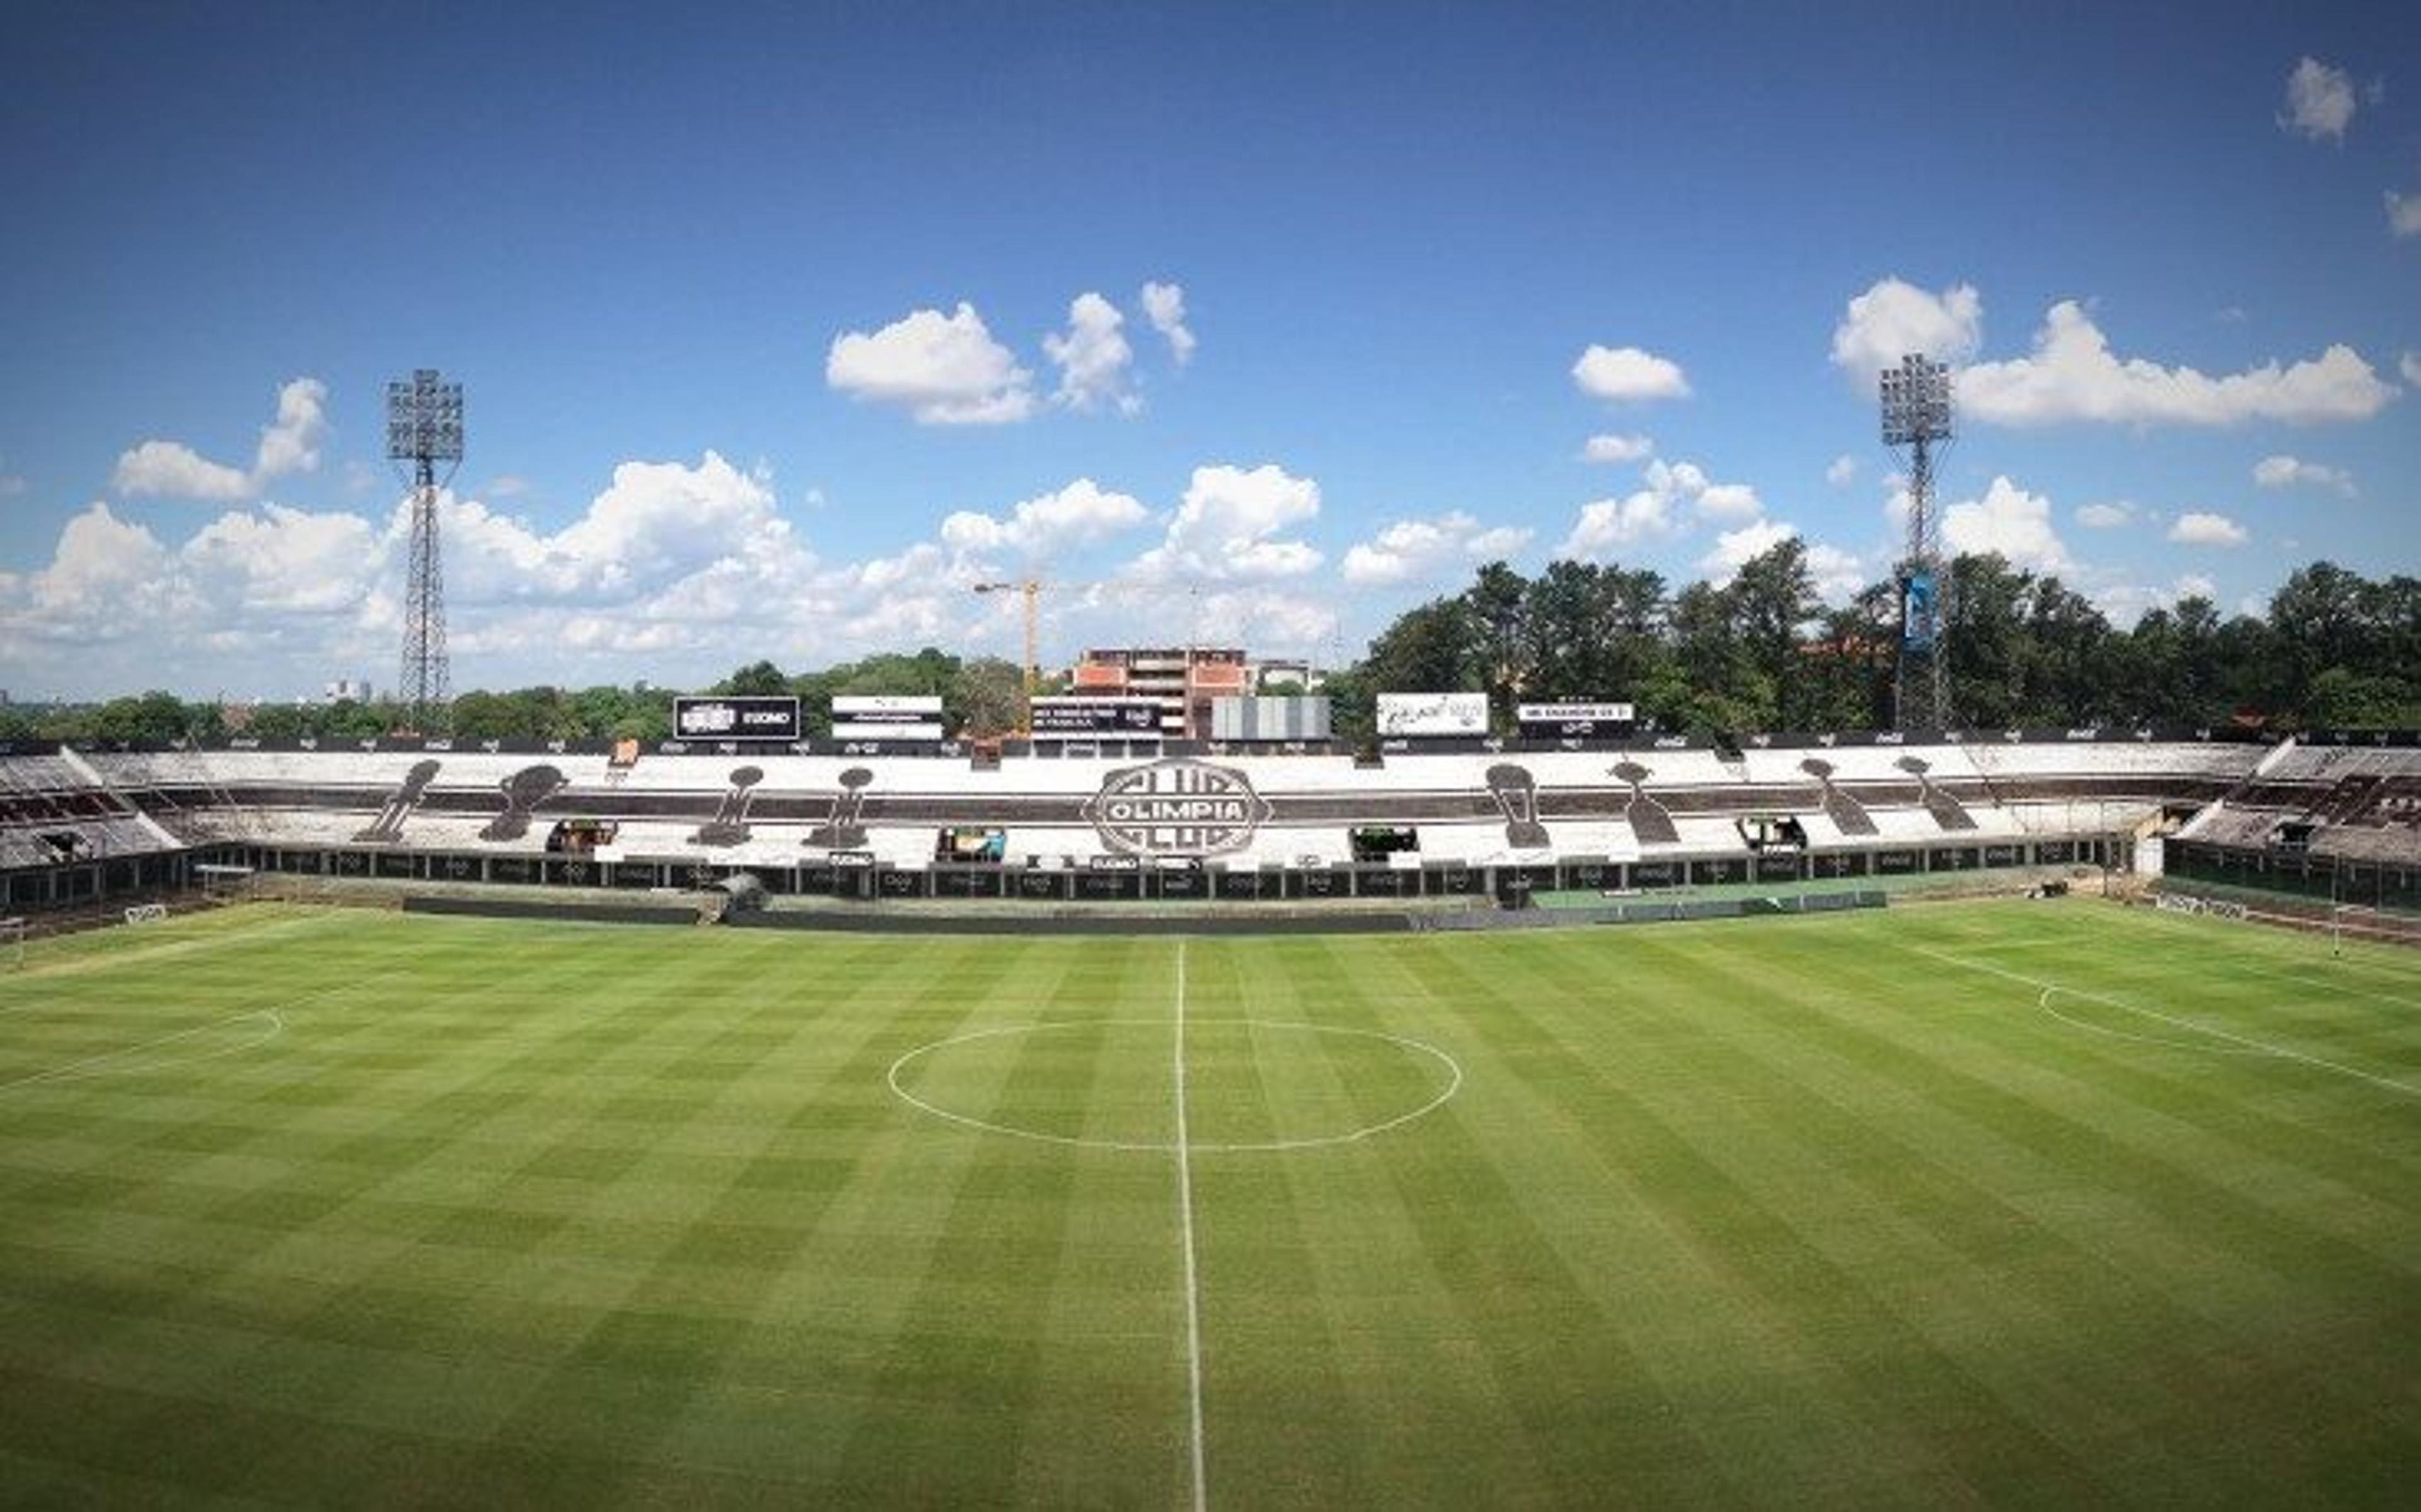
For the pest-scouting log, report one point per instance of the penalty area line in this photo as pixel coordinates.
(2258, 1047)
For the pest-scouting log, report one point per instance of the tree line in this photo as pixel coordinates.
(982, 695)
(1761, 652)
(1765, 652)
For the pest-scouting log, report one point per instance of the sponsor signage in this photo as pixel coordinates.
(1070, 717)
(888, 707)
(1432, 714)
(1177, 807)
(1558, 722)
(1918, 608)
(858, 730)
(886, 717)
(737, 718)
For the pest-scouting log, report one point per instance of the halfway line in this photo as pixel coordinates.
(1185, 1214)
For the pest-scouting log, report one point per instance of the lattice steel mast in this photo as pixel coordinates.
(1916, 416)
(424, 428)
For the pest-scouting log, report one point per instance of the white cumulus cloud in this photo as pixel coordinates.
(944, 369)
(291, 443)
(2198, 528)
(1894, 318)
(2403, 214)
(1077, 515)
(1423, 550)
(1093, 357)
(1164, 306)
(2319, 101)
(172, 470)
(2072, 375)
(1734, 548)
(1607, 525)
(2007, 519)
(288, 443)
(1841, 470)
(2291, 472)
(1657, 509)
(1229, 526)
(2106, 516)
(2410, 366)
(1610, 449)
(1625, 375)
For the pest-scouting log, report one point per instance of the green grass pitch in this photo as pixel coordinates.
(2055, 1202)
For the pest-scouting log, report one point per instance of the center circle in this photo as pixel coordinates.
(1251, 1085)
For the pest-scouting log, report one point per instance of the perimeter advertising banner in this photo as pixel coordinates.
(1564, 722)
(735, 718)
(1079, 717)
(1442, 714)
(886, 717)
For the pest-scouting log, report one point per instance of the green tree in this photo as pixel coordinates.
(1428, 650)
(1496, 611)
(1772, 603)
(757, 678)
(987, 697)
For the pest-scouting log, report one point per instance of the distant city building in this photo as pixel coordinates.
(348, 690)
(1281, 672)
(1185, 680)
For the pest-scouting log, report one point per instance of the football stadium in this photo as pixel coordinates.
(1713, 1122)
(1178, 755)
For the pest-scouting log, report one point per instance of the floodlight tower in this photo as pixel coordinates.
(1917, 418)
(424, 428)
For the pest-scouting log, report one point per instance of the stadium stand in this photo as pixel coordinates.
(1164, 819)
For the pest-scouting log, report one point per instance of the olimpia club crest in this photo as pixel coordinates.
(1176, 807)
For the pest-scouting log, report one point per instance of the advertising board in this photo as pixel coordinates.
(1575, 721)
(735, 718)
(886, 717)
(1432, 714)
(1081, 718)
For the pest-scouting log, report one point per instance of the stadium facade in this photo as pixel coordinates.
(1110, 820)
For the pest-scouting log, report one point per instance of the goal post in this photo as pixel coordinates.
(221, 882)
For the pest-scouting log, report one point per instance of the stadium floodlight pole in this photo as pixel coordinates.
(1916, 416)
(424, 429)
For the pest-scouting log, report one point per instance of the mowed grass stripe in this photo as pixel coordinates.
(536, 1213)
(2218, 1238)
(1961, 1265)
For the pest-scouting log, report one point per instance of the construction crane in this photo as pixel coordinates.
(1032, 589)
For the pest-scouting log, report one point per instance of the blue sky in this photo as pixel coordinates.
(771, 320)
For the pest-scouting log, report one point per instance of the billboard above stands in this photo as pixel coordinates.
(735, 718)
(886, 729)
(1567, 721)
(1270, 717)
(888, 708)
(1432, 714)
(886, 717)
(1069, 717)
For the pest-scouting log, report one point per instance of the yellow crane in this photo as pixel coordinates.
(1032, 589)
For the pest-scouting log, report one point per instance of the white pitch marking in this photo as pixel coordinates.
(103, 1064)
(1154, 1147)
(2255, 1045)
(2049, 992)
(1185, 1210)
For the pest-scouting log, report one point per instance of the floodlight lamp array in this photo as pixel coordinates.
(1916, 401)
(424, 419)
